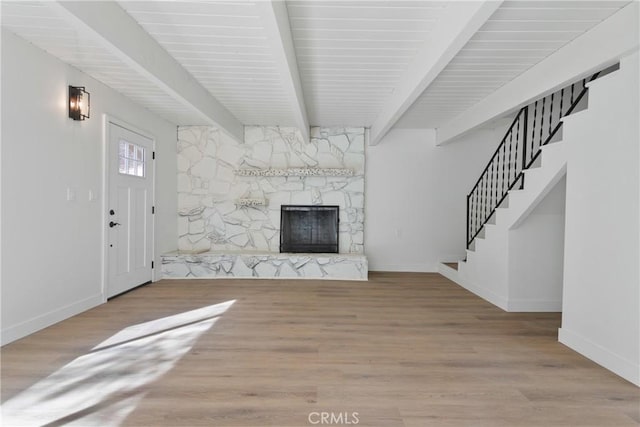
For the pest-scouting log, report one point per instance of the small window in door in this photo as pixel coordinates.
(131, 159)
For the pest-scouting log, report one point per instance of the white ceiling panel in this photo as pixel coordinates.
(225, 47)
(517, 36)
(351, 54)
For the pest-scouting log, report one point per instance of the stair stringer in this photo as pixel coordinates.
(486, 269)
(538, 182)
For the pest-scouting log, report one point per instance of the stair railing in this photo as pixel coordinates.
(534, 126)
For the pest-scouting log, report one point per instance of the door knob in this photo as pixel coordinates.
(113, 224)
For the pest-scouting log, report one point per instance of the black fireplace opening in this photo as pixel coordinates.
(311, 229)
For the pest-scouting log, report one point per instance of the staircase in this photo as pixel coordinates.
(515, 211)
(495, 268)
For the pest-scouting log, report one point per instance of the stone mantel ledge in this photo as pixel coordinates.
(264, 265)
(251, 202)
(294, 172)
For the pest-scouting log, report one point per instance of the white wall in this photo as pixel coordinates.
(415, 197)
(536, 254)
(51, 247)
(601, 300)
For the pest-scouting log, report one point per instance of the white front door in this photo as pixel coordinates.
(129, 210)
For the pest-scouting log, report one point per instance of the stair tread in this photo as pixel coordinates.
(453, 265)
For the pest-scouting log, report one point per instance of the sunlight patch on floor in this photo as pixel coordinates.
(102, 387)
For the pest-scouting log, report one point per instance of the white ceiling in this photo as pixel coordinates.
(224, 46)
(516, 37)
(349, 56)
(45, 28)
(352, 54)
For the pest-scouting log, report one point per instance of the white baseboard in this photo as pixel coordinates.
(628, 370)
(510, 305)
(448, 272)
(27, 327)
(483, 293)
(408, 268)
(524, 305)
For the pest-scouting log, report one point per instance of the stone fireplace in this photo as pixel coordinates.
(231, 194)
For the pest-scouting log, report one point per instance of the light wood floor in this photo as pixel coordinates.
(404, 349)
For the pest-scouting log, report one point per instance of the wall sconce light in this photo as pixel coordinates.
(79, 103)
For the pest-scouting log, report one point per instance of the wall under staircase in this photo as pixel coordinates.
(570, 239)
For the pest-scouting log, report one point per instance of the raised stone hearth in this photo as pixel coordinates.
(178, 265)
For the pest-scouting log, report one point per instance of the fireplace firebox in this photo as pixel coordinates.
(311, 229)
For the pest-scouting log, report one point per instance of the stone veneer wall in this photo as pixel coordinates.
(219, 210)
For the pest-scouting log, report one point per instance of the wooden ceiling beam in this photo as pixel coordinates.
(454, 28)
(275, 20)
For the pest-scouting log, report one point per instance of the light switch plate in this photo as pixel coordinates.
(71, 194)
